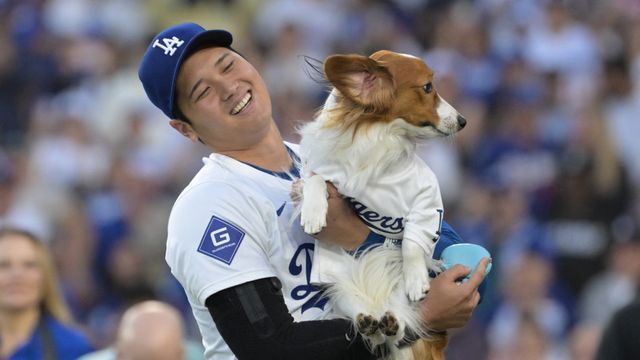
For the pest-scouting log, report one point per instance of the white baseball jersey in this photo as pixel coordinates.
(403, 202)
(231, 225)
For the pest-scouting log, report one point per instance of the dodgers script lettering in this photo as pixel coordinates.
(302, 261)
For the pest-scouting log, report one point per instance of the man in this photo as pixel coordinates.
(149, 330)
(245, 269)
(620, 339)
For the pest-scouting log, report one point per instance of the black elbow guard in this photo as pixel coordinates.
(255, 322)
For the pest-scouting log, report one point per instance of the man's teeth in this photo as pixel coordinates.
(241, 104)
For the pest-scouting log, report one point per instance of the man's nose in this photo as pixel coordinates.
(228, 90)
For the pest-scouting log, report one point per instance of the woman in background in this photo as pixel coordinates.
(34, 321)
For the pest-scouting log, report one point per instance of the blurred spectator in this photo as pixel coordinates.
(290, 86)
(621, 111)
(561, 44)
(316, 22)
(515, 234)
(591, 190)
(529, 316)
(583, 342)
(17, 207)
(556, 121)
(474, 215)
(150, 330)
(530, 342)
(124, 285)
(34, 320)
(67, 156)
(468, 343)
(11, 109)
(442, 158)
(620, 338)
(480, 69)
(617, 285)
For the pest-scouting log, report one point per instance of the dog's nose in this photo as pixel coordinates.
(461, 121)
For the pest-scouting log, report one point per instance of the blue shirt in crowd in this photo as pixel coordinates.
(69, 343)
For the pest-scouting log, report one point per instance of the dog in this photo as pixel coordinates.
(363, 140)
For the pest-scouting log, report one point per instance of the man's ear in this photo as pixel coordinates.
(185, 129)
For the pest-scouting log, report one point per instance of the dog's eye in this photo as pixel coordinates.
(428, 88)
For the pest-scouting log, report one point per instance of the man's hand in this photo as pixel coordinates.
(449, 304)
(344, 228)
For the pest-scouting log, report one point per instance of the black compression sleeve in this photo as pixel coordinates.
(254, 321)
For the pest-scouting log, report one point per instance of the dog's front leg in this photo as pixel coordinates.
(313, 215)
(415, 270)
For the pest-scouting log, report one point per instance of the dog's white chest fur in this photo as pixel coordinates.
(393, 191)
(405, 196)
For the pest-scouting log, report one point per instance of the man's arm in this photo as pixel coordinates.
(449, 304)
(255, 322)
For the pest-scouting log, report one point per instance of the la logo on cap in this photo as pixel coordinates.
(170, 45)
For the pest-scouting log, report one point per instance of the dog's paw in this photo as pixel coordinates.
(415, 270)
(313, 218)
(389, 324)
(367, 325)
(416, 284)
(392, 327)
(313, 214)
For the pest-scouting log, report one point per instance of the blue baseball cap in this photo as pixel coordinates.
(168, 50)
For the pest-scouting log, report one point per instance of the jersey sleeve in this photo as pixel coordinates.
(219, 236)
(424, 221)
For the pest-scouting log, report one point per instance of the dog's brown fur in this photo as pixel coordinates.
(377, 100)
(430, 348)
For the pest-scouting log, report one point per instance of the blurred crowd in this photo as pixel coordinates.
(546, 174)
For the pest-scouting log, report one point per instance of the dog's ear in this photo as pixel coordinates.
(362, 80)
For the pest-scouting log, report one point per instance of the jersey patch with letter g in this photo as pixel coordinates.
(221, 240)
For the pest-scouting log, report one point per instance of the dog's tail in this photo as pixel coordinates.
(373, 283)
(431, 348)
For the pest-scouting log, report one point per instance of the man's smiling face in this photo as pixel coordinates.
(224, 97)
